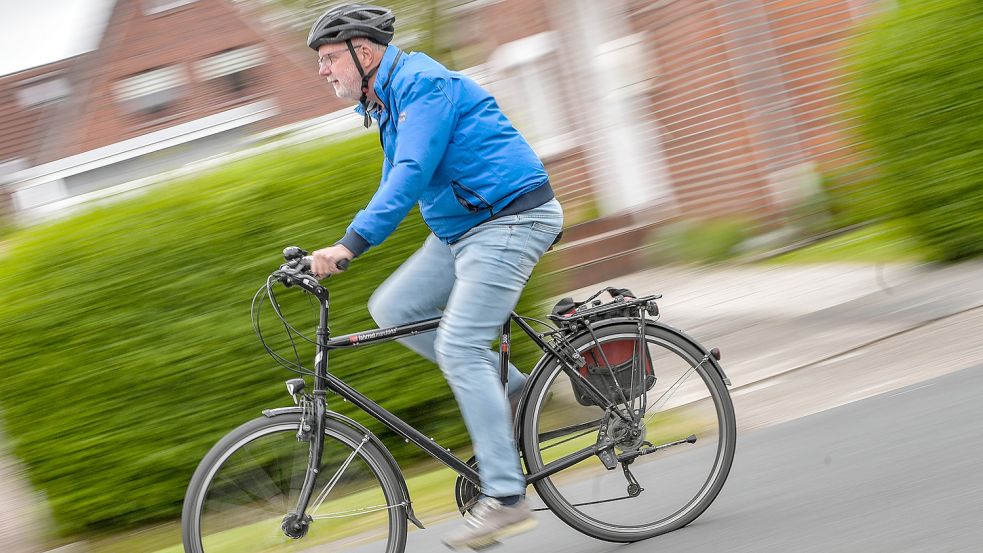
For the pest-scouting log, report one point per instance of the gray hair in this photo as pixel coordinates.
(363, 41)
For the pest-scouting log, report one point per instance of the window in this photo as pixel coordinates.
(232, 66)
(237, 82)
(41, 92)
(460, 6)
(151, 7)
(529, 90)
(151, 91)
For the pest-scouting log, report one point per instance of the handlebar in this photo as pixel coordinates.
(298, 266)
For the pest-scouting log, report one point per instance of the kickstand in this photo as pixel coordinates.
(633, 487)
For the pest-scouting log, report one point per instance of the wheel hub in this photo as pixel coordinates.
(627, 436)
(296, 527)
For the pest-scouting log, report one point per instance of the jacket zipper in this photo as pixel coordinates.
(476, 195)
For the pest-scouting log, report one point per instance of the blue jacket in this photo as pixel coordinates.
(448, 147)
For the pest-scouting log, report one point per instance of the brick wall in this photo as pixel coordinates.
(135, 42)
(570, 178)
(23, 127)
(708, 143)
(810, 37)
(745, 96)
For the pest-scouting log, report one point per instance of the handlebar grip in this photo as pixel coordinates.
(305, 264)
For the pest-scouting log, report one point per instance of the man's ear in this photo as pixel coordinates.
(368, 57)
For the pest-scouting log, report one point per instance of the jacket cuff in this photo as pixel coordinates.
(354, 242)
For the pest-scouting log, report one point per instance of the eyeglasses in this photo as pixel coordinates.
(327, 59)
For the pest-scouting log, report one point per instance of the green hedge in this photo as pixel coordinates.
(920, 68)
(127, 343)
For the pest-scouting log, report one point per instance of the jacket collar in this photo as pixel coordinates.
(383, 76)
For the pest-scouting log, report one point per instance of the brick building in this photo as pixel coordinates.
(172, 81)
(644, 111)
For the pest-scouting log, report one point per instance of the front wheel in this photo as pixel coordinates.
(249, 482)
(671, 457)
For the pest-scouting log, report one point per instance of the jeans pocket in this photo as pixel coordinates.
(551, 227)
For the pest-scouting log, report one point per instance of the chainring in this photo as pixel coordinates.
(465, 491)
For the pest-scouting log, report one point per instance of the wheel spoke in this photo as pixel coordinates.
(257, 499)
(679, 482)
(671, 391)
(334, 479)
(358, 512)
(236, 493)
(561, 442)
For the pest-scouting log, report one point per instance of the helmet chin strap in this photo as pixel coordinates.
(364, 100)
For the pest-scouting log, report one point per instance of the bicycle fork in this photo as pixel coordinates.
(296, 523)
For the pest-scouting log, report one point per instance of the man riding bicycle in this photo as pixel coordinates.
(487, 199)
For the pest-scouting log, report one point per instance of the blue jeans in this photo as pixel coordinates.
(474, 285)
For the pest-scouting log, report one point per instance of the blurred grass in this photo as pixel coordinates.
(697, 241)
(431, 487)
(885, 242)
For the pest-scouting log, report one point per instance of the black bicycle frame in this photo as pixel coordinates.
(325, 381)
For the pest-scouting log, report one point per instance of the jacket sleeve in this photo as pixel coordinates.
(427, 119)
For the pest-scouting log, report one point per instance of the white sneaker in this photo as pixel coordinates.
(490, 521)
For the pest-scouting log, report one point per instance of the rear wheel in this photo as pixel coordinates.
(685, 421)
(249, 482)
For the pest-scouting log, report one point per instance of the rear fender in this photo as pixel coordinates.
(671, 330)
(546, 359)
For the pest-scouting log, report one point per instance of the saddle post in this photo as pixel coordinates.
(503, 350)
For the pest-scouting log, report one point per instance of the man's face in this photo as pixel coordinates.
(335, 64)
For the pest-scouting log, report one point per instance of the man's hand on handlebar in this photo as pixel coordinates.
(330, 260)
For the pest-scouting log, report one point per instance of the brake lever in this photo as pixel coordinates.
(285, 275)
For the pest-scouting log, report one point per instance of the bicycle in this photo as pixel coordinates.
(614, 387)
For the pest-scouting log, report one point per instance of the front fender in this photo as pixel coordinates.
(372, 437)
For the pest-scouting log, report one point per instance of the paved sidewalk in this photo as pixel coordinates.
(771, 319)
(19, 506)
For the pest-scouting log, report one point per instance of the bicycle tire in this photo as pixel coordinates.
(551, 397)
(249, 480)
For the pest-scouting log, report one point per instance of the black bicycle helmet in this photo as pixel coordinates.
(349, 21)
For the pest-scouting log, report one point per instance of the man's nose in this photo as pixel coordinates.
(324, 70)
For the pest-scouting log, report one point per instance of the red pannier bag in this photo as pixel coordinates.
(622, 356)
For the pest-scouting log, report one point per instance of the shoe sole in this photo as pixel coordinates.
(495, 538)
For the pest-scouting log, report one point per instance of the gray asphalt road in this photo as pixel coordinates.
(900, 471)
